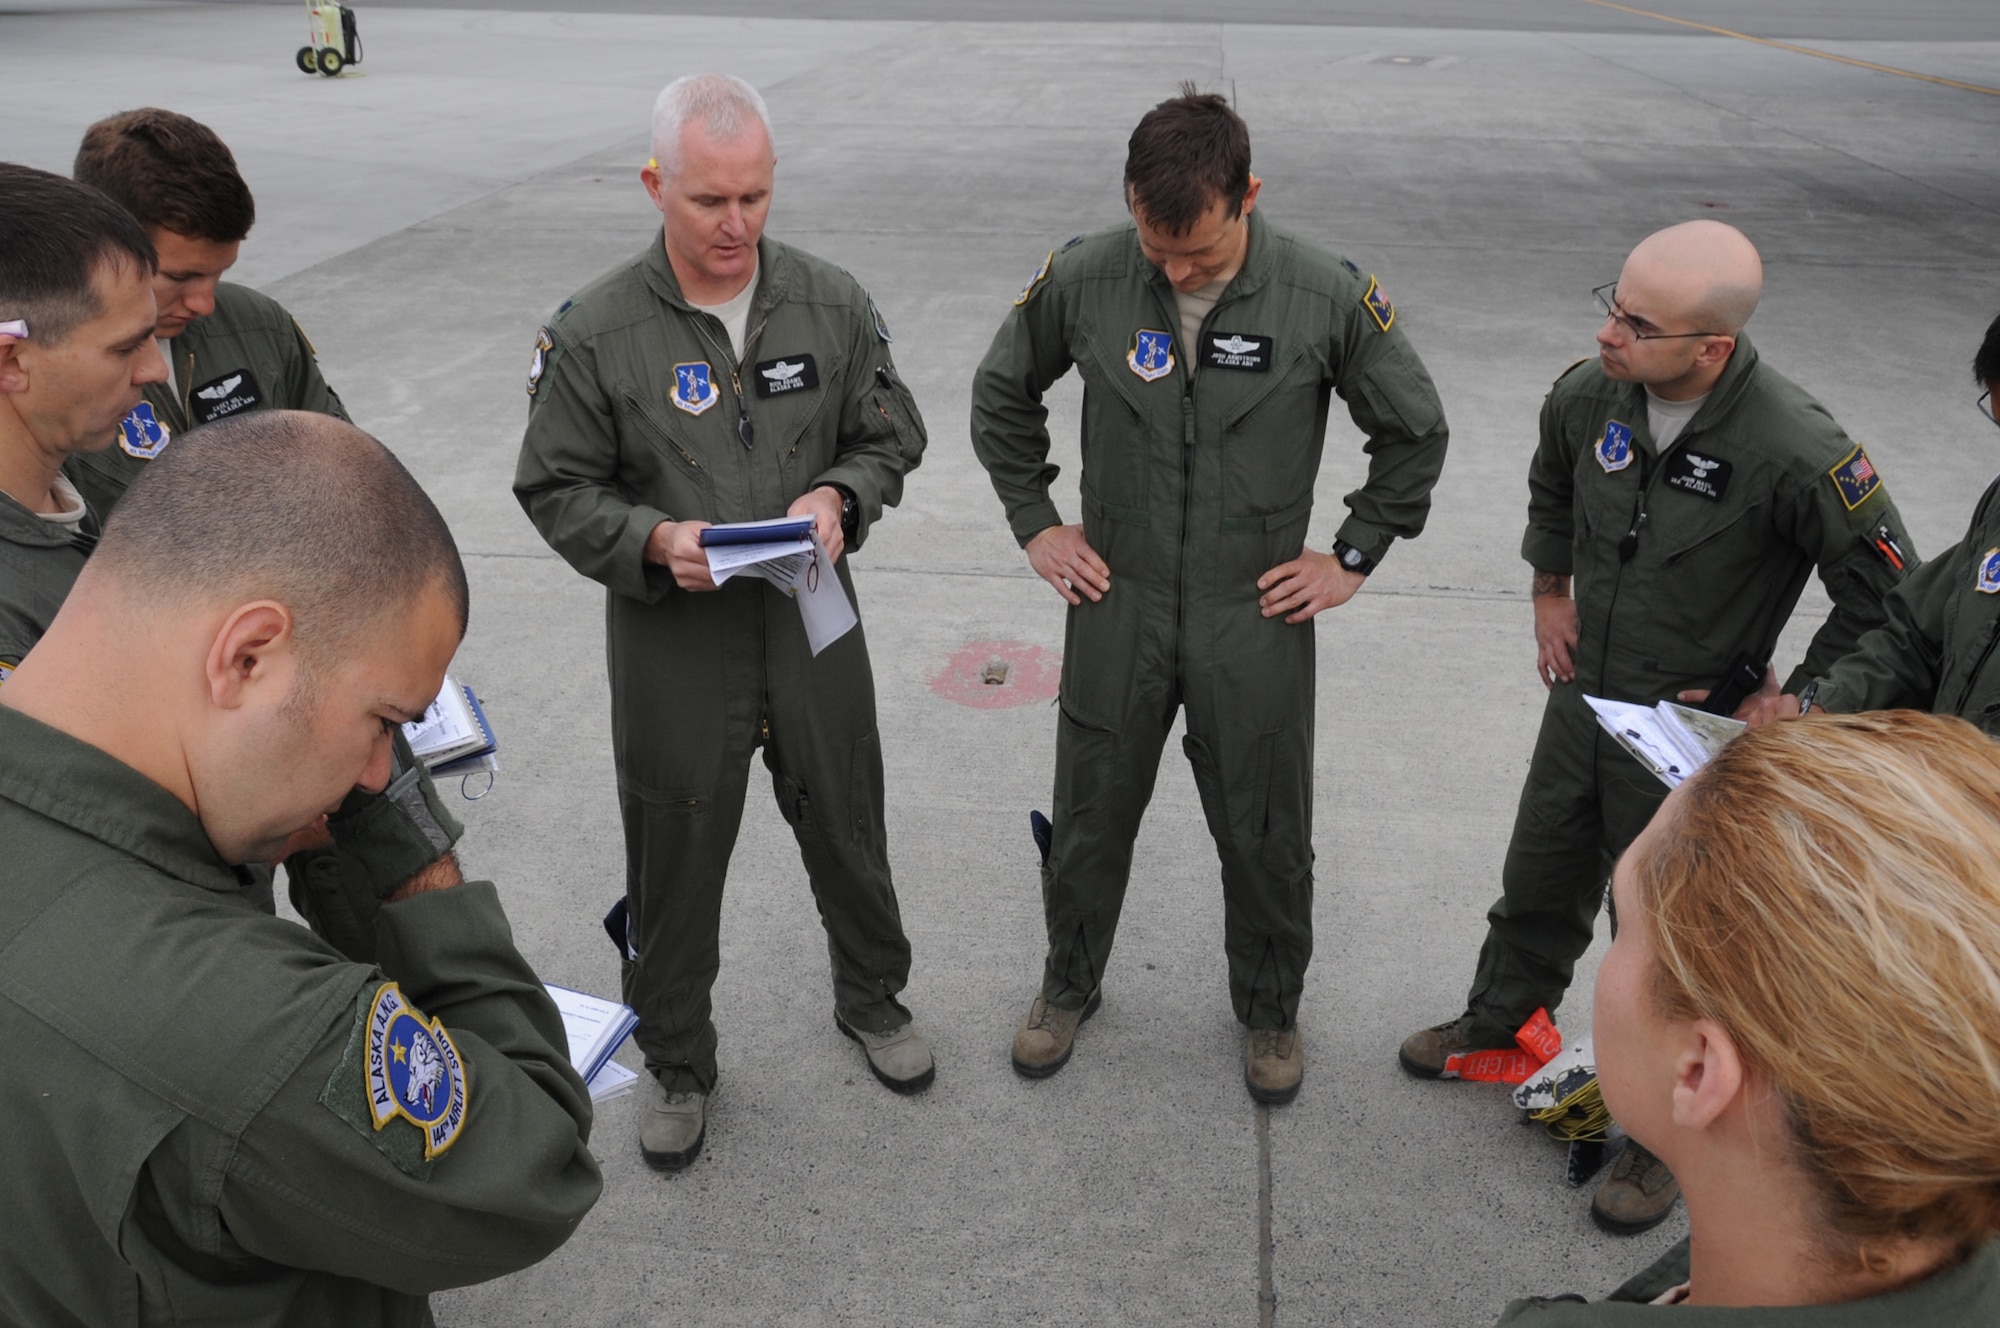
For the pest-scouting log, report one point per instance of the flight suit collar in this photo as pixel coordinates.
(20, 526)
(1256, 269)
(47, 771)
(1722, 398)
(773, 275)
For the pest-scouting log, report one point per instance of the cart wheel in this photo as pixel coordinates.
(330, 61)
(308, 60)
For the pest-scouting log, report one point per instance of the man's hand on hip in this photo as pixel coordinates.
(676, 546)
(1062, 557)
(1308, 585)
(823, 506)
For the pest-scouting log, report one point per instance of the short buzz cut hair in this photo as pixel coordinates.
(170, 172)
(286, 505)
(724, 103)
(55, 236)
(1187, 152)
(1986, 363)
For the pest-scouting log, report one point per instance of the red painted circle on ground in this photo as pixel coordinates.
(1033, 674)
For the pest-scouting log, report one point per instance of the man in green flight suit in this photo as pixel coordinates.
(1688, 489)
(719, 377)
(1936, 650)
(76, 350)
(228, 348)
(215, 1115)
(1209, 342)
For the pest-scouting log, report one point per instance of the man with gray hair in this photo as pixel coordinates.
(1688, 489)
(76, 351)
(718, 377)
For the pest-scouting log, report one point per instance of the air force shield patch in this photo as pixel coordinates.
(694, 388)
(1041, 275)
(1614, 449)
(413, 1071)
(142, 433)
(1988, 572)
(1152, 354)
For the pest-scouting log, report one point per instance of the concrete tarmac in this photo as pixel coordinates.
(423, 215)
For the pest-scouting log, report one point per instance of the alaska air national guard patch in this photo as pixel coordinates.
(1855, 478)
(1152, 354)
(694, 388)
(539, 363)
(1988, 572)
(219, 398)
(400, 1083)
(1379, 308)
(1041, 275)
(1614, 449)
(142, 433)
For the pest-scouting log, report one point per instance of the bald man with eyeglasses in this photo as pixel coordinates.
(1686, 490)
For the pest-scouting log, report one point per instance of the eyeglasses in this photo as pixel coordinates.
(16, 328)
(1986, 406)
(1607, 301)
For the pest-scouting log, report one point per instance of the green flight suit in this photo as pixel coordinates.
(636, 410)
(1760, 487)
(250, 354)
(189, 1130)
(1964, 1296)
(1198, 473)
(39, 561)
(1934, 651)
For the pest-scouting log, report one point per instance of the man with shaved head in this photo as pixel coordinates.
(1686, 489)
(721, 376)
(215, 1115)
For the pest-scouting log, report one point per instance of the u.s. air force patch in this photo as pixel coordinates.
(1856, 479)
(1379, 308)
(400, 1083)
(1041, 275)
(142, 433)
(1152, 354)
(1986, 570)
(544, 343)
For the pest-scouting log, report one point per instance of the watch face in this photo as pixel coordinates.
(1351, 559)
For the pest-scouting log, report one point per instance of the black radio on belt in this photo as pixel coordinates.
(1743, 677)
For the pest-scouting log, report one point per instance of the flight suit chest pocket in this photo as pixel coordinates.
(1125, 419)
(659, 463)
(1270, 453)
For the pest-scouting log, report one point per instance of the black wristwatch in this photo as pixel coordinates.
(850, 512)
(1353, 559)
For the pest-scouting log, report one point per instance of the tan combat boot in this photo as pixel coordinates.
(671, 1131)
(1047, 1033)
(1637, 1195)
(1274, 1064)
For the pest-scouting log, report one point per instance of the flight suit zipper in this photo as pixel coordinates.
(1628, 546)
(1979, 665)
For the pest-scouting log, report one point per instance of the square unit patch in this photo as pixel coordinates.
(1855, 478)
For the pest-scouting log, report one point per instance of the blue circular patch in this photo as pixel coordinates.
(421, 1075)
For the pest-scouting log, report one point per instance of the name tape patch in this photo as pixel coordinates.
(787, 373)
(1237, 350)
(1697, 472)
(219, 398)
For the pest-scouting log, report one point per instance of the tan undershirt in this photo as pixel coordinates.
(72, 504)
(1194, 307)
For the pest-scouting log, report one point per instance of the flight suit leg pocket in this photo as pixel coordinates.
(1284, 814)
(1208, 784)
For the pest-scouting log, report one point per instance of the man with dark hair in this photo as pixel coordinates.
(228, 348)
(1936, 650)
(1210, 342)
(721, 376)
(1687, 490)
(214, 1114)
(76, 350)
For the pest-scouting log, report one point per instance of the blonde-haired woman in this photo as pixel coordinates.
(1801, 1016)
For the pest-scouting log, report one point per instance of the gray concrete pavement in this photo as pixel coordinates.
(423, 217)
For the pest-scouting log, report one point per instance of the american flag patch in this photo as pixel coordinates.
(1855, 478)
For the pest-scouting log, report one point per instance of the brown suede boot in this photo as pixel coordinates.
(1637, 1195)
(1048, 1033)
(1274, 1064)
